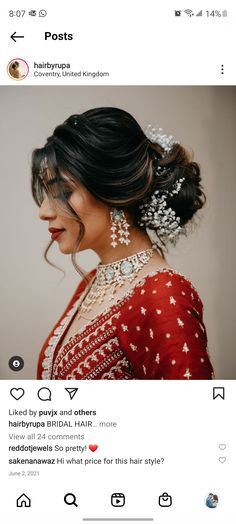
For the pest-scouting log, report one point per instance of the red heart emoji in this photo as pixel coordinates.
(93, 447)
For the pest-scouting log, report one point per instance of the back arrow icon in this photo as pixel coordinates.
(14, 36)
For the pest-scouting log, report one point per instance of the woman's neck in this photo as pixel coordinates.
(139, 241)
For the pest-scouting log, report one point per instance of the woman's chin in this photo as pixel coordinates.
(66, 250)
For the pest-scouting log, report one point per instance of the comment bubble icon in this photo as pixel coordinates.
(44, 394)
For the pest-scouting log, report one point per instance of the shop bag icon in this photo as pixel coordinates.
(165, 500)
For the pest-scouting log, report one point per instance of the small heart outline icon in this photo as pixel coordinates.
(222, 446)
(222, 460)
(17, 393)
(93, 447)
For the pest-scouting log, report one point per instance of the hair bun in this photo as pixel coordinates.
(170, 168)
(174, 195)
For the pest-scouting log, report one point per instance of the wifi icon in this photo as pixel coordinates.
(189, 12)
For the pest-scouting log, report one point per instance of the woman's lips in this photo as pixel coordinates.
(55, 233)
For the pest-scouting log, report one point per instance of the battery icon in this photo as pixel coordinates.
(224, 13)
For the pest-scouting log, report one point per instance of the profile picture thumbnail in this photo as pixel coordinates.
(212, 501)
(18, 69)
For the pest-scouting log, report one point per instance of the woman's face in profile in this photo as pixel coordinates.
(94, 214)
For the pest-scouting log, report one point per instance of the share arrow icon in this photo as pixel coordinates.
(72, 392)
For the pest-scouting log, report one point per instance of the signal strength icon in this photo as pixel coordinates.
(199, 14)
(189, 12)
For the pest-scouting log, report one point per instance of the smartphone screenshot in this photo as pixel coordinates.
(117, 359)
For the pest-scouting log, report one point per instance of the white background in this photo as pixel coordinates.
(179, 422)
(136, 42)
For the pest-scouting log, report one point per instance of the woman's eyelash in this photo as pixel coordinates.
(65, 194)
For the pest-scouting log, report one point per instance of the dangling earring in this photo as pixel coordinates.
(118, 221)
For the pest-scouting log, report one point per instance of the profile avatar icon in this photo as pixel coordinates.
(18, 69)
(212, 501)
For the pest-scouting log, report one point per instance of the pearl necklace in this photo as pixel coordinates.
(111, 276)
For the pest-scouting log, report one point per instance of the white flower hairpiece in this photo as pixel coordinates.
(157, 136)
(156, 215)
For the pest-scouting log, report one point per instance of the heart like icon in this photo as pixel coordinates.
(17, 393)
(93, 447)
(222, 446)
(222, 460)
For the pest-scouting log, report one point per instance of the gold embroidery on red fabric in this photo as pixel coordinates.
(94, 323)
(59, 362)
(118, 368)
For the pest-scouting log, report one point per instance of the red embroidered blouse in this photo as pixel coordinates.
(154, 332)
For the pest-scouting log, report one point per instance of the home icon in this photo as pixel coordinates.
(23, 501)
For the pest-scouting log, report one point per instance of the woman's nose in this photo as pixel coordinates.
(47, 210)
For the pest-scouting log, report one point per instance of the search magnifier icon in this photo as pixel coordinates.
(70, 499)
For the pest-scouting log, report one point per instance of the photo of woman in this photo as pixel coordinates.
(101, 183)
(117, 233)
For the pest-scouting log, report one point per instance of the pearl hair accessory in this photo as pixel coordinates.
(157, 136)
(156, 215)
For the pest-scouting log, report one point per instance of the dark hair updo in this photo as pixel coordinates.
(106, 150)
